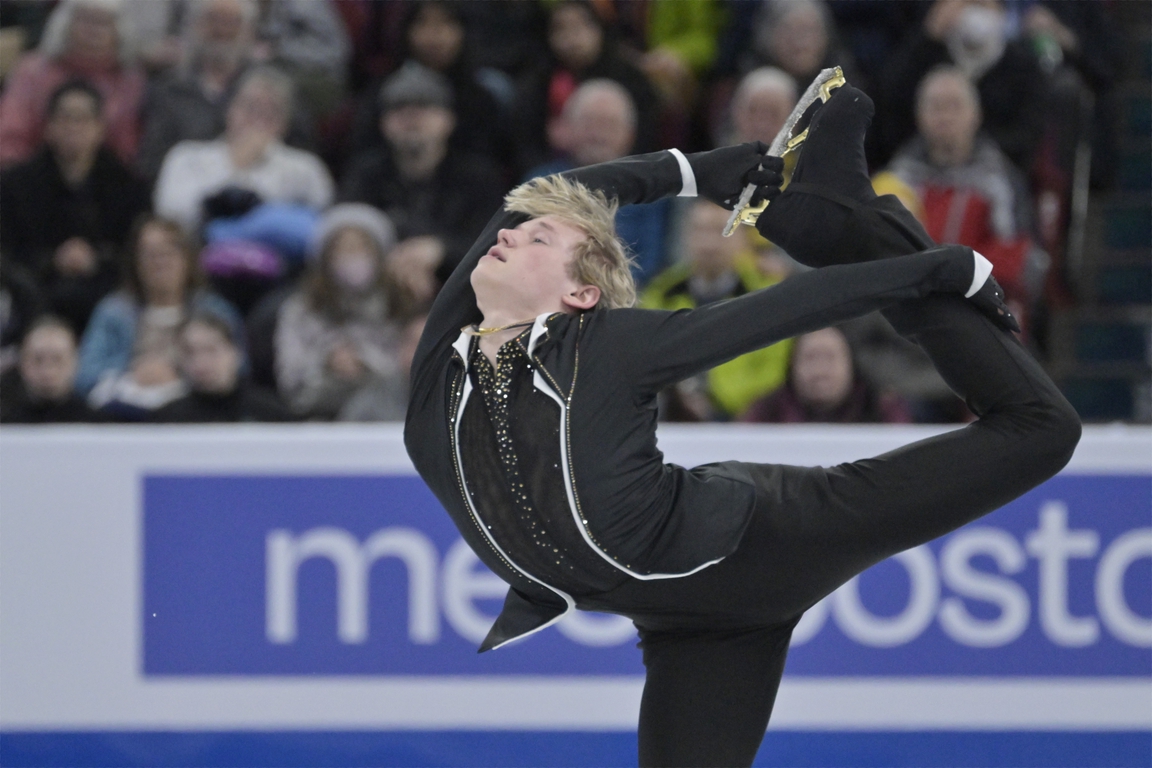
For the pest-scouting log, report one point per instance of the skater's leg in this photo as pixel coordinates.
(708, 695)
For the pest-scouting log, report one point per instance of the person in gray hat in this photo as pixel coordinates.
(340, 333)
(439, 197)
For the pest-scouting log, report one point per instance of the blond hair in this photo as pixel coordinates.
(601, 259)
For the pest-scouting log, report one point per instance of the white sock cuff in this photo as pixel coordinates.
(980, 274)
(687, 178)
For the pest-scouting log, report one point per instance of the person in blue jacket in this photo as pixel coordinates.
(129, 353)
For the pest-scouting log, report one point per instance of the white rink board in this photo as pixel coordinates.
(70, 597)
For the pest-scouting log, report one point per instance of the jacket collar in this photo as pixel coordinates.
(463, 343)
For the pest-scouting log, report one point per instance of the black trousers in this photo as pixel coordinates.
(715, 642)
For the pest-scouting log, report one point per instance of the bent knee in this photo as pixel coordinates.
(1057, 434)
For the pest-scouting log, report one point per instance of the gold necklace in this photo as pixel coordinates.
(476, 330)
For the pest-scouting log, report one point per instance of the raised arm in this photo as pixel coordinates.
(662, 348)
(718, 174)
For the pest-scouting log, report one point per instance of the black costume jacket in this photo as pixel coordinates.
(600, 372)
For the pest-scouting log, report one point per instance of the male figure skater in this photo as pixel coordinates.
(535, 426)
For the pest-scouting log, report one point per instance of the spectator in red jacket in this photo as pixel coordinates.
(971, 193)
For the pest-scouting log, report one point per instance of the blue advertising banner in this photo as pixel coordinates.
(355, 575)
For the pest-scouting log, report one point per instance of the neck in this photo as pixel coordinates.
(490, 344)
(950, 155)
(215, 76)
(75, 168)
(421, 164)
(163, 298)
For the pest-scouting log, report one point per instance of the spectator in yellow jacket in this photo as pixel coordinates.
(715, 268)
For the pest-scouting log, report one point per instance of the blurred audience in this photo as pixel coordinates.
(338, 337)
(760, 106)
(190, 102)
(438, 197)
(212, 363)
(88, 39)
(823, 385)
(715, 268)
(972, 35)
(250, 155)
(307, 39)
(970, 193)
(433, 35)
(68, 211)
(128, 355)
(799, 37)
(21, 303)
(42, 389)
(581, 48)
(598, 124)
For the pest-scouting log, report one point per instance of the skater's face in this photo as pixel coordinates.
(529, 270)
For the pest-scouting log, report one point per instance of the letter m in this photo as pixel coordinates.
(284, 553)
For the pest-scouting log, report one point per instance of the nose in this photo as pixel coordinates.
(506, 237)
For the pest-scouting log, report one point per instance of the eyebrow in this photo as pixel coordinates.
(546, 226)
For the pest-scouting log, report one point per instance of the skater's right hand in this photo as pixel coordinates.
(721, 174)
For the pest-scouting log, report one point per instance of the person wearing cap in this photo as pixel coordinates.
(438, 196)
(340, 333)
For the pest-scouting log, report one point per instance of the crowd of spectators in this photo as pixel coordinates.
(240, 210)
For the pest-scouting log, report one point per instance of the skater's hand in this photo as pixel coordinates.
(768, 178)
(990, 300)
(721, 174)
(975, 282)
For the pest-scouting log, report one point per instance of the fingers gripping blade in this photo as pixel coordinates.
(820, 90)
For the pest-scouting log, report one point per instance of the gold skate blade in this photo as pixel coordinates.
(786, 143)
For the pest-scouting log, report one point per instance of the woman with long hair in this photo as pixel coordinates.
(128, 356)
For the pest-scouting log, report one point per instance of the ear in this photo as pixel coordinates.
(584, 297)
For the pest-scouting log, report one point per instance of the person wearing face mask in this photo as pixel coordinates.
(972, 35)
(340, 333)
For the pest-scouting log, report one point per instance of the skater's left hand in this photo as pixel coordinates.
(990, 300)
(721, 174)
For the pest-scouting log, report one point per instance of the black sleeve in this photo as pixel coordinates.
(657, 348)
(637, 179)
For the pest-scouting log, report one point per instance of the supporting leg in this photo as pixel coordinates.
(708, 695)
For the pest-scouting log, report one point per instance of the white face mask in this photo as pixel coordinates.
(354, 271)
(977, 41)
